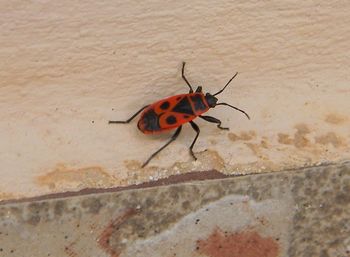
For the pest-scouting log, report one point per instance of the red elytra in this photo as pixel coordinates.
(172, 112)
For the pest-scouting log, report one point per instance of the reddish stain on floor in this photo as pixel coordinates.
(70, 251)
(242, 244)
(104, 239)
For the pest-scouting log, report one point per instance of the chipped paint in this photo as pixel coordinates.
(304, 146)
(300, 136)
(132, 165)
(255, 149)
(68, 178)
(244, 136)
(208, 158)
(330, 138)
(299, 139)
(284, 139)
(6, 196)
(335, 119)
(301, 147)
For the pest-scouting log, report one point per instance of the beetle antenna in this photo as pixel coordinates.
(226, 85)
(235, 108)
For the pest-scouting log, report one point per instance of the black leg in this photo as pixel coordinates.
(130, 119)
(196, 128)
(176, 134)
(199, 89)
(213, 120)
(183, 76)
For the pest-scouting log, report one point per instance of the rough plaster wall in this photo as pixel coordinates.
(68, 67)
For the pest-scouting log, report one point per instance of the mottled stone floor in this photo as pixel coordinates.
(297, 213)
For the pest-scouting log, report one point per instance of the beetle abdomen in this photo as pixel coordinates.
(149, 121)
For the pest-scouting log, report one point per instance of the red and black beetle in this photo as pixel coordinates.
(172, 112)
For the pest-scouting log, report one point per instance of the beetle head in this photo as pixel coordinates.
(211, 100)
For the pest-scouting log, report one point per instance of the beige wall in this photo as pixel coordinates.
(67, 67)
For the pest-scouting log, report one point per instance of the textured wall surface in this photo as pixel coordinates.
(68, 67)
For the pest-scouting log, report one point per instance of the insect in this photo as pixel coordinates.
(174, 111)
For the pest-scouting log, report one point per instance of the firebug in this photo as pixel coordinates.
(174, 111)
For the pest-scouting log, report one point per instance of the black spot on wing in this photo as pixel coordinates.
(183, 106)
(165, 105)
(199, 105)
(150, 121)
(171, 120)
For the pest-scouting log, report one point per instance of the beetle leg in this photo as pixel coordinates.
(213, 120)
(196, 128)
(130, 119)
(176, 134)
(199, 89)
(183, 76)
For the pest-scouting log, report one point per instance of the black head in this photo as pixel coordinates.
(211, 100)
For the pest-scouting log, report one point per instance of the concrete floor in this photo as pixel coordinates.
(303, 212)
(70, 66)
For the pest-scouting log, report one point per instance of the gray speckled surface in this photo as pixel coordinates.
(292, 213)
